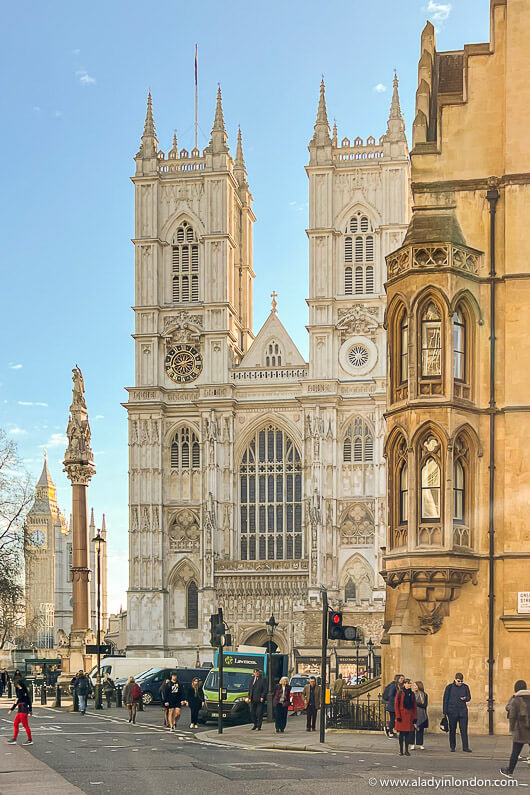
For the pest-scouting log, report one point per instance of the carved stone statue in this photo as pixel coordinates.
(78, 459)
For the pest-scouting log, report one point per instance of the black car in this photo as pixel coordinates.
(151, 681)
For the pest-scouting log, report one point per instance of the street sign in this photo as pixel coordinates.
(103, 650)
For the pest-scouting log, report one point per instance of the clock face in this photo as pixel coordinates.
(37, 538)
(183, 364)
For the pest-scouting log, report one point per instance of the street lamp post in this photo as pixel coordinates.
(370, 646)
(270, 625)
(98, 542)
(357, 646)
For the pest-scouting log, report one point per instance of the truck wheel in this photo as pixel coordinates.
(147, 698)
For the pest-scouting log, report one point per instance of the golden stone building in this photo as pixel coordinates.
(458, 423)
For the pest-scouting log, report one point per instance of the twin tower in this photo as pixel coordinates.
(256, 477)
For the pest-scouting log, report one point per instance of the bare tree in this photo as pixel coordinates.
(16, 495)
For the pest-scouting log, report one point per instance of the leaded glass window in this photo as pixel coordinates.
(185, 265)
(431, 341)
(459, 346)
(430, 490)
(270, 497)
(358, 438)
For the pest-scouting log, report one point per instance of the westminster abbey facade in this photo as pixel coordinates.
(257, 477)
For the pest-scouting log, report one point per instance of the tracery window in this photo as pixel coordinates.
(350, 591)
(404, 349)
(359, 248)
(430, 477)
(185, 265)
(459, 345)
(358, 444)
(273, 354)
(192, 605)
(431, 341)
(270, 495)
(185, 450)
(403, 493)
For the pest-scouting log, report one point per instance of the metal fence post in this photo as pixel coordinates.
(57, 702)
(118, 697)
(43, 694)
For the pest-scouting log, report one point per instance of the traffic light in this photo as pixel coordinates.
(336, 631)
(218, 636)
(335, 625)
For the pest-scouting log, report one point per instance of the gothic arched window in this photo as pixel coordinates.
(185, 265)
(350, 591)
(430, 477)
(359, 440)
(270, 495)
(359, 249)
(192, 605)
(459, 345)
(185, 450)
(398, 489)
(431, 341)
(273, 354)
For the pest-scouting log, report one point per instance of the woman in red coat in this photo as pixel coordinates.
(406, 714)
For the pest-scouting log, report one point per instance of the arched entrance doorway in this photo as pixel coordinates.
(260, 638)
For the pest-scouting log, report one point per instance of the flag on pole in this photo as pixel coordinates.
(196, 64)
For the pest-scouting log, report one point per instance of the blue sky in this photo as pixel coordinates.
(75, 80)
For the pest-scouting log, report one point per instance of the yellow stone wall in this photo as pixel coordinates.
(480, 135)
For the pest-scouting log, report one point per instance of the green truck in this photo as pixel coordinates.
(238, 668)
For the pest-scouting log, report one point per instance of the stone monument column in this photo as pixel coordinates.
(79, 467)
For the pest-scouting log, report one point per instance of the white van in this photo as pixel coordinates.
(122, 667)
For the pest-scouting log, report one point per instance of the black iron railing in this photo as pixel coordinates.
(367, 714)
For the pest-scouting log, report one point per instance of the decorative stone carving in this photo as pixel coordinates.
(444, 255)
(359, 320)
(357, 525)
(184, 532)
(183, 327)
(222, 566)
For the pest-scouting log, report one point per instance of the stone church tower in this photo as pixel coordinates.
(257, 477)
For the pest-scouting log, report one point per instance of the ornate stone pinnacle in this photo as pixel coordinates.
(78, 459)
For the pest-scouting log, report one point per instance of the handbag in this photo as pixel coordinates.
(444, 724)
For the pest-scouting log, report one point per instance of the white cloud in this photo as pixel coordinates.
(13, 366)
(56, 440)
(380, 88)
(77, 51)
(36, 109)
(84, 78)
(30, 403)
(439, 11)
(16, 431)
(99, 417)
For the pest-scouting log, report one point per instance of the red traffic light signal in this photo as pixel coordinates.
(335, 625)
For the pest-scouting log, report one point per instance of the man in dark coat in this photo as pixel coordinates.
(389, 698)
(257, 693)
(456, 696)
(312, 696)
(518, 709)
(4, 679)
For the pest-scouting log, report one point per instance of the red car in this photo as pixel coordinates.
(298, 682)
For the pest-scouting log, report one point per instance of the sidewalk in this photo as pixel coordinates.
(18, 766)
(296, 738)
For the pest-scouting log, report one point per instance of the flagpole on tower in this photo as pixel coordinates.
(196, 97)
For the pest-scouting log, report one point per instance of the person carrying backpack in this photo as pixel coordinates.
(518, 709)
(131, 696)
(389, 697)
(108, 689)
(23, 703)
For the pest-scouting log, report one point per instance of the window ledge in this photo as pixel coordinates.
(519, 622)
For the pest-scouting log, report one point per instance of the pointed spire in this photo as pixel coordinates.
(334, 136)
(103, 526)
(240, 169)
(395, 124)
(173, 152)
(321, 134)
(274, 303)
(45, 479)
(219, 136)
(149, 145)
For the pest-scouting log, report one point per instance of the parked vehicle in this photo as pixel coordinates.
(238, 668)
(151, 681)
(298, 682)
(123, 667)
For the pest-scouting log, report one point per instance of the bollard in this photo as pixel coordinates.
(75, 705)
(118, 697)
(9, 688)
(98, 697)
(57, 702)
(43, 695)
(141, 704)
(31, 690)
